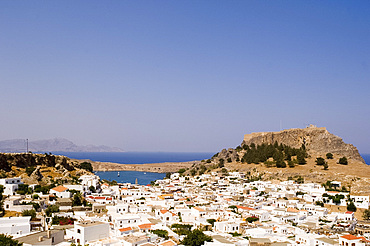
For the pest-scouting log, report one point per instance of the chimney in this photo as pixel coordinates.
(48, 233)
(41, 238)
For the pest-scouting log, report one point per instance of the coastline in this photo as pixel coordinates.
(149, 167)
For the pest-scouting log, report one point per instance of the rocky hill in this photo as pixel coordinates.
(317, 140)
(42, 169)
(52, 145)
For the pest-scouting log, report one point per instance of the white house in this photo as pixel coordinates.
(86, 231)
(60, 191)
(15, 226)
(90, 180)
(13, 203)
(351, 240)
(227, 226)
(127, 220)
(10, 185)
(325, 241)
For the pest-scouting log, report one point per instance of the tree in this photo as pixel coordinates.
(320, 161)
(300, 180)
(366, 214)
(280, 163)
(291, 164)
(92, 189)
(211, 221)
(221, 163)
(301, 158)
(181, 229)
(9, 241)
(181, 171)
(234, 208)
(161, 233)
(343, 161)
(77, 199)
(326, 166)
(351, 207)
(31, 213)
(87, 166)
(251, 219)
(196, 238)
(24, 189)
(29, 170)
(51, 209)
(329, 156)
(168, 175)
(193, 172)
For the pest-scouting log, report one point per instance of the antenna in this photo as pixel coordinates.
(27, 144)
(281, 125)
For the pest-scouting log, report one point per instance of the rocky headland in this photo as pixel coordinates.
(315, 141)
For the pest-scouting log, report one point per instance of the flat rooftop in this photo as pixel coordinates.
(90, 223)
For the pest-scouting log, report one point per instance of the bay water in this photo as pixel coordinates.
(142, 178)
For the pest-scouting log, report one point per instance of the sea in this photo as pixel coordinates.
(142, 178)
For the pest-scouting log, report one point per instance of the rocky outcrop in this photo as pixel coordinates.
(317, 140)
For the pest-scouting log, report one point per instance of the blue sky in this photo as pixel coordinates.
(183, 75)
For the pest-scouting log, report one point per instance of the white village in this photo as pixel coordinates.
(213, 209)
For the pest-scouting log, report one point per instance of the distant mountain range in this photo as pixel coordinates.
(51, 145)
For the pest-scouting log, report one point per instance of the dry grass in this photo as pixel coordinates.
(12, 214)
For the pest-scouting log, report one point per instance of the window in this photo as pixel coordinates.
(78, 231)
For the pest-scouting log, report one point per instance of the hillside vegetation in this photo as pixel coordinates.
(42, 168)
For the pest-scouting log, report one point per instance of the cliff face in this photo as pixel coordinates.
(316, 139)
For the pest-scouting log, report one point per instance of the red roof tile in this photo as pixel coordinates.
(125, 229)
(60, 188)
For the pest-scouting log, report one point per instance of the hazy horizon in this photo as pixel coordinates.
(183, 76)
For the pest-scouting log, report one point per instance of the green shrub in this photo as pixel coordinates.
(87, 166)
(329, 156)
(320, 161)
(343, 161)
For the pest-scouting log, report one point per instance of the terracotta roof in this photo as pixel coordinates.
(245, 208)
(60, 188)
(349, 212)
(352, 237)
(292, 210)
(199, 209)
(163, 211)
(146, 226)
(168, 243)
(125, 229)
